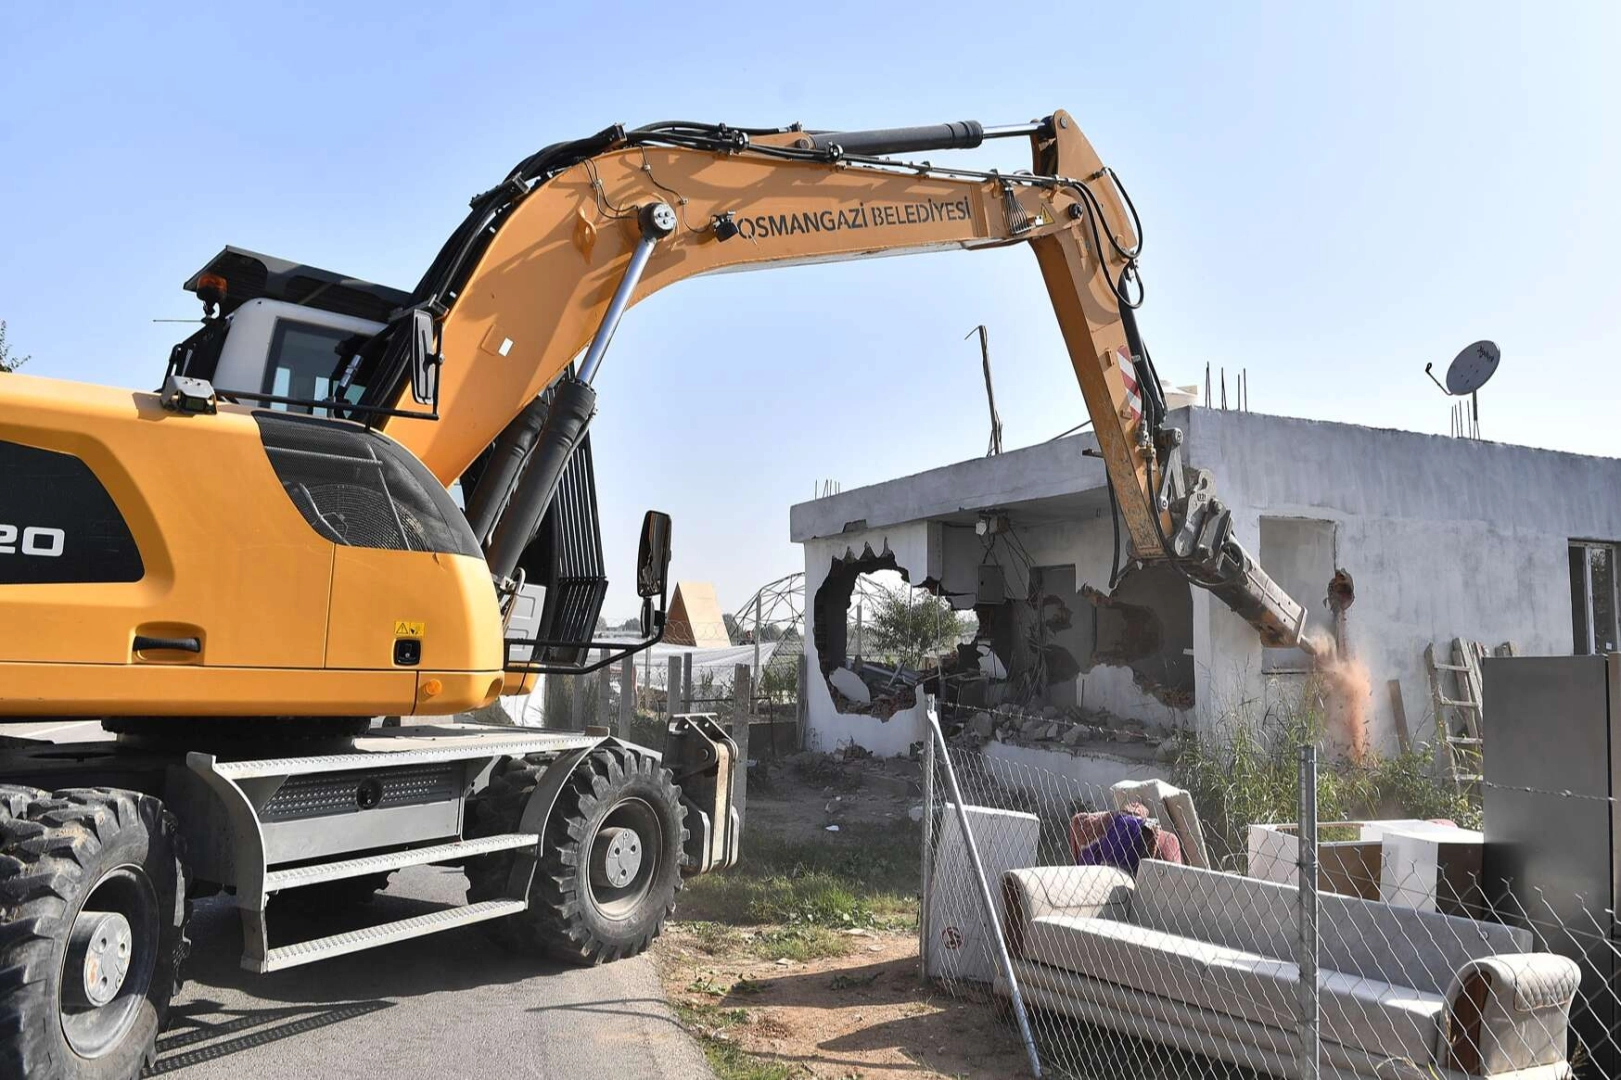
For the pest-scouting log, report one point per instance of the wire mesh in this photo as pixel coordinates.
(1146, 945)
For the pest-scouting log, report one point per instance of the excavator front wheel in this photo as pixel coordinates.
(93, 931)
(609, 862)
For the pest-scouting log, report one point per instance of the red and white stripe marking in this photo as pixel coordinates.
(1134, 398)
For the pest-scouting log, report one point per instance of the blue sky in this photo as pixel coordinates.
(1332, 196)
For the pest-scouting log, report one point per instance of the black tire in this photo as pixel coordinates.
(571, 916)
(119, 849)
(15, 799)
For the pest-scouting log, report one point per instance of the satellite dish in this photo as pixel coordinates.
(1472, 367)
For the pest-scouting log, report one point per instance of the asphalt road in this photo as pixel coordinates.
(447, 1006)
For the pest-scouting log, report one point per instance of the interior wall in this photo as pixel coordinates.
(1086, 545)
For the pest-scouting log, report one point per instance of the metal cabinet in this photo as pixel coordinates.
(1552, 731)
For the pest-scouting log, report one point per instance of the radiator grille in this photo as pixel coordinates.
(338, 793)
(358, 487)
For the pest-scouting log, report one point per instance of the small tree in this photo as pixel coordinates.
(7, 361)
(908, 625)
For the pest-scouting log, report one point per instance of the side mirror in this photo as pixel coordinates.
(653, 560)
(425, 359)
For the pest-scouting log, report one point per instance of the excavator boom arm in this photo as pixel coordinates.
(550, 260)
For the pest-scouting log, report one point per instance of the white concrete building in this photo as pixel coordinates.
(1444, 538)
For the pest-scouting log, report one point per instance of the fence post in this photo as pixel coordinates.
(577, 719)
(686, 682)
(672, 689)
(757, 629)
(1306, 946)
(604, 691)
(627, 695)
(923, 932)
(742, 698)
(802, 706)
(987, 903)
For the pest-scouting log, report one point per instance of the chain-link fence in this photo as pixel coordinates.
(1142, 943)
(635, 697)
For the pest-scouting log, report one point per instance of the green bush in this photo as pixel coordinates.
(1248, 772)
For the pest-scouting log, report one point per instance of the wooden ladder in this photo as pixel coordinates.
(1458, 713)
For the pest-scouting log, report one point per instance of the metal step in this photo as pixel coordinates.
(307, 952)
(376, 864)
(404, 746)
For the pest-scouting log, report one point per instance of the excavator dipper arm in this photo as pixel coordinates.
(547, 263)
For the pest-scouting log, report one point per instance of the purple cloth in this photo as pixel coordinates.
(1122, 844)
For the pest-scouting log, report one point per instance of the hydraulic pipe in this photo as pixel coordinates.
(962, 135)
(511, 450)
(1011, 131)
(658, 221)
(572, 405)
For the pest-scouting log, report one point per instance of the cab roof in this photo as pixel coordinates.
(250, 276)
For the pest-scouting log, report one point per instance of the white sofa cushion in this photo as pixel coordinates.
(1378, 941)
(1364, 1013)
(1380, 1017)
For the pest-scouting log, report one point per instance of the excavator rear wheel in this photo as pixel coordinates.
(609, 862)
(93, 935)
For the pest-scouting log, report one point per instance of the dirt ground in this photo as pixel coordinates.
(865, 1014)
(846, 1001)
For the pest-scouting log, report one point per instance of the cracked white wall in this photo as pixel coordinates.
(916, 547)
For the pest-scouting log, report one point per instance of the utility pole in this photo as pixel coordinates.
(995, 446)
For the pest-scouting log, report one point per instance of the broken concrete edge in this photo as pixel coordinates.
(1126, 630)
(1073, 730)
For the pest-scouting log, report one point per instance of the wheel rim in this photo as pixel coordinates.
(630, 839)
(122, 910)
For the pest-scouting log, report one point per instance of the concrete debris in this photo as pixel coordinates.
(1070, 727)
(916, 812)
(850, 685)
(832, 828)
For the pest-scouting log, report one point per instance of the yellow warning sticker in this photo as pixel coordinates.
(402, 628)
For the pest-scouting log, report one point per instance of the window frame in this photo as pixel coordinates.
(1590, 646)
(1294, 660)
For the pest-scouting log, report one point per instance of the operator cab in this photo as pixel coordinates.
(279, 327)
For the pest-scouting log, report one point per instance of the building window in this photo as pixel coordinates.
(1299, 554)
(1593, 597)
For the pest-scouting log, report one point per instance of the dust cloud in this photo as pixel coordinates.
(1347, 690)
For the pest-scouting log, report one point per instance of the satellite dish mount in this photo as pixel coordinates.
(1469, 371)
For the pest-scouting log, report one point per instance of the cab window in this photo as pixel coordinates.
(303, 361)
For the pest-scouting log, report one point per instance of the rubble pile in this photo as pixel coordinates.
(1053, 728)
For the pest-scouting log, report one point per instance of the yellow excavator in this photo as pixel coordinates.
(236, 573)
